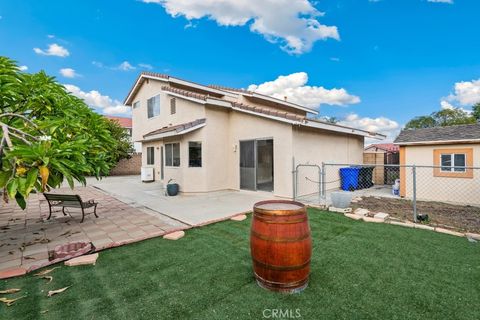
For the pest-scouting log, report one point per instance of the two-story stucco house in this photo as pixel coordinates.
(210, 138)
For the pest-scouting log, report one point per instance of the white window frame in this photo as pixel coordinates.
(171, 154)
(159, 107)
(201, 154)
(153, 156)
(453, 165)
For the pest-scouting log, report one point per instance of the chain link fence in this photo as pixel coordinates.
(441, 196)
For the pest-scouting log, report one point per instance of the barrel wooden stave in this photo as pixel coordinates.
(281, 247)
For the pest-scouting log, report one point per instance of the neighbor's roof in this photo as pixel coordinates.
(210, 90)
(388, 147)
(124, 122)
(174, 130)
(467, 133)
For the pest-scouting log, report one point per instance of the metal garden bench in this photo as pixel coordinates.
(69, 201)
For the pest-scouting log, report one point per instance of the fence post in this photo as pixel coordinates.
(323, 191)
(414, 173)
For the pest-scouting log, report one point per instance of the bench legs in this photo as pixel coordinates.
(63, 211)
(50, 211)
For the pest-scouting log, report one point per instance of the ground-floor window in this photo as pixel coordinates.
(172, 154)
(194, 154)
(453, 162)
(150, 155)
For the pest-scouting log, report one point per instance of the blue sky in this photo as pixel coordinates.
(390, 60)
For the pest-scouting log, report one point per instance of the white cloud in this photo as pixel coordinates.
(294, 24)
(53, 50)
(68, 73)
(96, 100)
(382, 125)
(466, 93)
(23, 68)
(126, 66)
(145, 66)
(50, 36)
(441, 1)
(293, 86)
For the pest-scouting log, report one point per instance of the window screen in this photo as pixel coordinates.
(153, 106)
(172, 154)
(150, 155)
(194, 154)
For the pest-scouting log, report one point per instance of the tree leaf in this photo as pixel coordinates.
(54, 292)
(20, 200)
(4, 177)
(12, 188)
(13, 290)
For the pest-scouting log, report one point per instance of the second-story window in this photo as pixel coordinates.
(136, 104)
(173, 106)
(153, 106)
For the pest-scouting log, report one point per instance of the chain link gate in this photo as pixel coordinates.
(307, 183)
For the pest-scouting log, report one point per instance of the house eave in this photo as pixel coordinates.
(440, 142)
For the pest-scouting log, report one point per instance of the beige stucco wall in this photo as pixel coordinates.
(316, 146)
(444, 189)
(186, 111)
(220, 139)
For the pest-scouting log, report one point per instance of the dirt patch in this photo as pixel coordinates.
(462, 218)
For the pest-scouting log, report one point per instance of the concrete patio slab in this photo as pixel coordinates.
(191, 209)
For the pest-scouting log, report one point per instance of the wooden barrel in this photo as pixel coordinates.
(281, 245)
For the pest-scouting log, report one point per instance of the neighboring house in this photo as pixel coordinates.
(380, 154)
(126, 123)
(210, 138)
(450, 151)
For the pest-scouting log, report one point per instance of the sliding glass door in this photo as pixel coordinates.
(256, 164)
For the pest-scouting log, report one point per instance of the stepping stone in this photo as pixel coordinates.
(474, 236)
(240, 217)
(361, 211)
(424, 227)
(12, 272)
(376, 220)
(403, 224)
(174, 235)
(381, 215)
(450, 232)
(82, 260)
(353, 216)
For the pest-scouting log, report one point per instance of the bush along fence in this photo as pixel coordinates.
(442, 196)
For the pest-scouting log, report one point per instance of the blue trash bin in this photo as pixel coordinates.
(349, 178)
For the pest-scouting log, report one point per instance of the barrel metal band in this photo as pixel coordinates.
(282, 284)
(273, 221)
(281, 268)
(260, 236)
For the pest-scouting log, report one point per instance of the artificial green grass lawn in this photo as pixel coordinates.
(359, 270)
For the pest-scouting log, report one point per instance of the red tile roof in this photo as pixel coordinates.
(186, 93)
(388, 147)
(124, 122)
(258, 110)
(177, 128)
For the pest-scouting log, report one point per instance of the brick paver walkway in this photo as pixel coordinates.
(26, 236)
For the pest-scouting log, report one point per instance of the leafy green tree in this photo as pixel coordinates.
(476, 111)
(48, 135)
(442, 118)
(421, 122)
